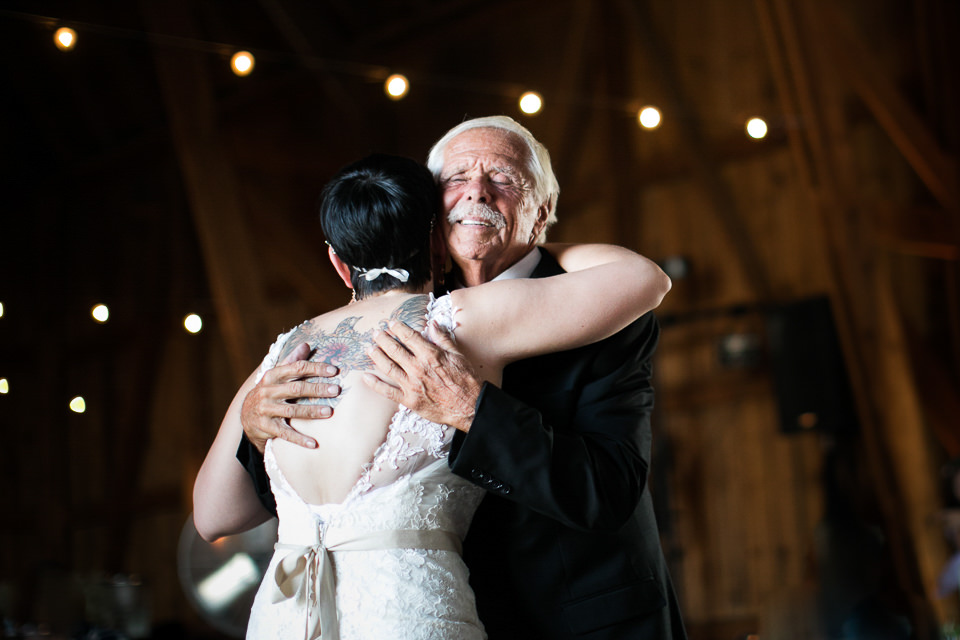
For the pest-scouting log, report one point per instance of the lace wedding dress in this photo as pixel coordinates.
(385, 562)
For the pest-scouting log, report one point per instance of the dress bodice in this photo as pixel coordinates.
(430, 498)
(407, 590)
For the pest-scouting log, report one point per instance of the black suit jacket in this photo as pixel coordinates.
(565, 544)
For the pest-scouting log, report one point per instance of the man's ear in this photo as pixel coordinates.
(543, 212)
(343, 270)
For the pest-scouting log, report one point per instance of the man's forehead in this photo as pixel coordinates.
(498, 147)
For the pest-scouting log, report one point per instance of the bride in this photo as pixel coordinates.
(371, 521)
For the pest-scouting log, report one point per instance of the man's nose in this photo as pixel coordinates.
(477, 190)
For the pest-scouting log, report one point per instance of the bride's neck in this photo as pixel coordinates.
(400, 291)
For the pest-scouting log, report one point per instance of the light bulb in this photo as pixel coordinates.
(65, 38)
(649, 117)
(531, 103)
(396, 86)
(242, 63)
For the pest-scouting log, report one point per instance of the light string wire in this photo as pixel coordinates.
(372, 72)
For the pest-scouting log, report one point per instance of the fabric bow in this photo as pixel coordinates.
(372, 274)
(306, 573)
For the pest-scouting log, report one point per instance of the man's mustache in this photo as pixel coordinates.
(477, 211)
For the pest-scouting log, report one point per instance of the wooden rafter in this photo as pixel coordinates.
(939, 393)
(918, 231)
(571, 116)
(622, 153)
(870, 328)
(698, 154)
(909, 133)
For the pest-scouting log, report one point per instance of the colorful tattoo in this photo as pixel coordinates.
(413, 313)
(345, 347)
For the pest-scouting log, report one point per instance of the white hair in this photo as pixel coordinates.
(546, 190)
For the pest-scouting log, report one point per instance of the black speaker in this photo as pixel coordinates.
(810, 378)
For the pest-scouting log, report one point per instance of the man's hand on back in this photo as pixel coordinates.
(267, 409)
(435, 381)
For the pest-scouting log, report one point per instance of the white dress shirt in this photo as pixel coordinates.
(522, 268)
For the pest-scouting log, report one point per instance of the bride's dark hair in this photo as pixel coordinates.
(378, 213)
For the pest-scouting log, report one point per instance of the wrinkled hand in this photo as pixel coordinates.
(434, 380)
(267, 409)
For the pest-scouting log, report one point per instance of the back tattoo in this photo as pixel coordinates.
(345, 347)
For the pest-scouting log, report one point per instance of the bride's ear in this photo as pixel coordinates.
(341, 267)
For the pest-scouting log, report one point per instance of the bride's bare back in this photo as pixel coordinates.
(497, 323)
(350, 438)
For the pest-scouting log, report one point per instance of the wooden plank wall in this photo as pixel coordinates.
(744, 499)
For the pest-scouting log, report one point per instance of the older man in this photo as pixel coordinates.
(565, 545)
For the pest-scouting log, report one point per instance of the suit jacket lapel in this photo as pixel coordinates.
(548, 265)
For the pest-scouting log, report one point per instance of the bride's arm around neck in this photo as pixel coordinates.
(605, 288)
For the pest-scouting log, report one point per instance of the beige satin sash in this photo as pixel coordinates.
(306, 573)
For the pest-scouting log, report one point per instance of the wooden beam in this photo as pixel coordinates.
(211, 186)
(938, 393)
(571, 117)
(921, 232)
(866, 317)
(903, 431)
(708, 174)
(786, 91)
(938, 54)
(909, 133)
(617, 64)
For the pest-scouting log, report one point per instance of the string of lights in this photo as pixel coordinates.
(68, 33)
(396, 86)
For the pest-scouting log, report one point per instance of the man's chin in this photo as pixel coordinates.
(473, 243)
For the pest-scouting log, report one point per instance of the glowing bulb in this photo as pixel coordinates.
(756, 128)
(531, 103)
(396, 86)
(77, 405)
(193, 323)
(649, 117)
(4, 386)
(65, 38)
(1, 309)
(242, 63)
(100, 313)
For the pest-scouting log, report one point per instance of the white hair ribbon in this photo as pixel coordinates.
(372, 274)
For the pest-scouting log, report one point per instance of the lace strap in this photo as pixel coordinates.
(273, 355)
(411, 441)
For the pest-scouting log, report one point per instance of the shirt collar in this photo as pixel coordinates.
(522, 268)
